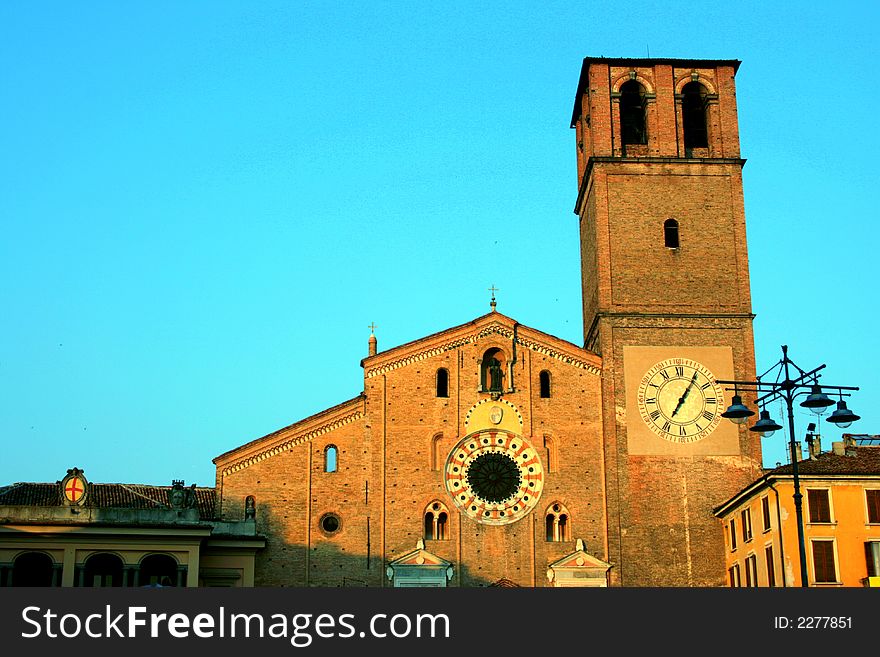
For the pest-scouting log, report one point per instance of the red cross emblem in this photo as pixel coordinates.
(74, 490)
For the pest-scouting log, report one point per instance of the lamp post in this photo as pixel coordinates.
(788, 389)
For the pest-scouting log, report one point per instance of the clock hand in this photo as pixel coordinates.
(680, 403)
(684, 395)
(687, 390)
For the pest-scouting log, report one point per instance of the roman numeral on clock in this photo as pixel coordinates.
(681, 431)
(708, 415)
(679, 370)
(655, 415)
(664, 374)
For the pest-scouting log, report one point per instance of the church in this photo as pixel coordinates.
(494, 454)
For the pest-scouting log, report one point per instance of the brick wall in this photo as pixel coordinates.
(638, 292)
(386, 480)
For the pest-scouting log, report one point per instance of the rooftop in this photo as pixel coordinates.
(105, 496)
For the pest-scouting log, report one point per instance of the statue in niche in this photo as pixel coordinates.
(250, 508)
(495, 376)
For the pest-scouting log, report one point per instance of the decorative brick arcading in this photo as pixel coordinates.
(553, 353)
(293, 441)
(493, 329)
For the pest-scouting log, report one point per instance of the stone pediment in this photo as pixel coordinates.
(490, 325)
(580, 559)
(420, 557)
(419, 568)
(579, 568)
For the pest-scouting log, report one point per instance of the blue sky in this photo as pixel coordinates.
(204, 204)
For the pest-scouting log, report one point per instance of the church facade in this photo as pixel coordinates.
(492, 453)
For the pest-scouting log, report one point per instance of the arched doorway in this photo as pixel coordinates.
(102, 570)
(158, 569)
(32, 569)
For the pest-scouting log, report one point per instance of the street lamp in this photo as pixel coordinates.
(788, 389)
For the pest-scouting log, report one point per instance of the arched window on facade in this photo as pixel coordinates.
(550, 453)
(436, 454)
(442, 382)
(103, 570)
(32, 569)
(544, 384)
(493, 369)
(331, 458)
(693, 116)
(632, 114)
(670, 233)
(158, 569)
(436, 522)
(558, 525)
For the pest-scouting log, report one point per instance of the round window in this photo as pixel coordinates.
(494, 477)
(330, 523)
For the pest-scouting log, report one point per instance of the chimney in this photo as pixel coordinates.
(799, 454)
(814, 445)
(849, 445)
(837, 448)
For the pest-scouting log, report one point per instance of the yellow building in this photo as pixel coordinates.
(841, 511)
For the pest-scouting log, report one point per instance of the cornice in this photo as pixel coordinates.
(477, 333)
(618, 159)
(289, 437)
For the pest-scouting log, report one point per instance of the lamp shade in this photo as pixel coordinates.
(736, 412)
(817, 401)
(766, 426)
(842, 416)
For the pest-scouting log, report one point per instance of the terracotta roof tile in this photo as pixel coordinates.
(105, 496)
(865, 462)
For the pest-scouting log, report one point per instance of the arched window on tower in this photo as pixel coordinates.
(670, 233)
(632, 114)
(442, 382)
(557, 523)
(544, 384)
(436, 522)
(693, 116)
(331, 458)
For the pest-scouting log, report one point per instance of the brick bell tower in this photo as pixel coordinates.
(667, 305)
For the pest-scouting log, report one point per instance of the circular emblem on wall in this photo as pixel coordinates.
(74, 487)
(496, 414)
(495, 477)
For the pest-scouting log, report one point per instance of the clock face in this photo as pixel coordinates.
(680, 401)
(494, 476)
